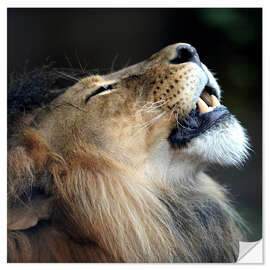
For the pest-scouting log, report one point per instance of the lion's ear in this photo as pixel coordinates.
(24, 216)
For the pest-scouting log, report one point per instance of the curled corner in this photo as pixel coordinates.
(250, 252)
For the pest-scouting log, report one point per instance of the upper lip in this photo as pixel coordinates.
(211, 86)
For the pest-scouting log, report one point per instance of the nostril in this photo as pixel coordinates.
(185, 54)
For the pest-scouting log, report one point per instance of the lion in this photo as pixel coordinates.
(113, 169)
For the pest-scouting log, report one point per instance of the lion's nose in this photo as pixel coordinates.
(186, 53)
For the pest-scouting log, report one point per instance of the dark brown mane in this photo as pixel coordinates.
(35, 88)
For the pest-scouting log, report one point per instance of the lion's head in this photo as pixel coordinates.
(157, 125)
(169, 103)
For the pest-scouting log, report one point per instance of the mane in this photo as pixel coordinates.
(130, 218)
(36, 88)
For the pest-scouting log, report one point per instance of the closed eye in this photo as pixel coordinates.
(103, 88)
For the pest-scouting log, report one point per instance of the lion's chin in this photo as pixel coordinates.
(196, 124)
(210, 132)
(225, 143)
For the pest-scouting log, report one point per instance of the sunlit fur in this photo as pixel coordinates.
(118, 191)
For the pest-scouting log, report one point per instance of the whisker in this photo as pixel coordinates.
(177, 118)
(84, 69)
(155, 107)
(68, 60)
(79, 62)
(148, 107)
(149, 123)
(171, 112)
(127, 63)
(68, 76)
(114, 61)
(68, 104)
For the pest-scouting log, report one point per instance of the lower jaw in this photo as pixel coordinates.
(196, 124)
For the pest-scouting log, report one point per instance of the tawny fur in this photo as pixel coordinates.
(99, 167)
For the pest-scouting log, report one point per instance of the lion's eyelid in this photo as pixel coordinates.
(100, 90)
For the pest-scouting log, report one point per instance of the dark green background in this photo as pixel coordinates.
(229, 42)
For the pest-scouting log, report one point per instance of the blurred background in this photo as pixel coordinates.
(228, 40)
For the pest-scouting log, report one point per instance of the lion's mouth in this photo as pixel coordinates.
(208, 113)
(207, 100)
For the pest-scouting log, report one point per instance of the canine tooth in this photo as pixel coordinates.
(203, 108)
(215, 101)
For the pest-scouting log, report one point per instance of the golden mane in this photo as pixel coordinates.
(108, 213)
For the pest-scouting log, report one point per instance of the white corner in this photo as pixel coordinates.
(250, 252)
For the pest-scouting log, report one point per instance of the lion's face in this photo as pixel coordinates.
(159, 113)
